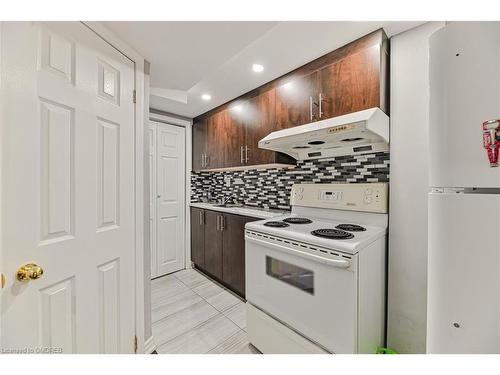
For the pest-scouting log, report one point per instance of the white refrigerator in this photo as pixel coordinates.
(464, 198)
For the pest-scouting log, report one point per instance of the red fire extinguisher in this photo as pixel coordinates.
(491, 140)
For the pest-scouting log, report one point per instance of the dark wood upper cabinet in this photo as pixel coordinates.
(198, 237)
(213, 244)
(225, 138)
(349, 79)
(295, 101)
(260, 120)
(200, 130)
(233, 257)
(234, 133)
(216, 139)
(351, 84)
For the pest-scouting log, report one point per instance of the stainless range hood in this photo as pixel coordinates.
(355, 133)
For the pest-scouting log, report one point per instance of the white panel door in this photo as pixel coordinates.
(170, 189)
(152, 195)
(68, 189)
(463, 273)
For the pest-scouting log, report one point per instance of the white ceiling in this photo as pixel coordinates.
(191, 58)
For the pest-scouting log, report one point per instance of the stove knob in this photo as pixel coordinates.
(299, 193)
(368, 200)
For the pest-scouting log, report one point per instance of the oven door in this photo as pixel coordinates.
(313, 295)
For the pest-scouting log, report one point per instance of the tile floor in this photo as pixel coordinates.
(193, 315)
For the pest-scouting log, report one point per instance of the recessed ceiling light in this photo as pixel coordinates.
(237, 108)
(257, 68)
(206, 97)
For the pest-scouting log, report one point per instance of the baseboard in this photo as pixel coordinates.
(149, 345)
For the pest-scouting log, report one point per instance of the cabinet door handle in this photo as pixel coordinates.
(320, 105)
(201, 218)
(311, 108)
(220, 223)
(246, 154)
(217, 223)
(202, 160)
(207, 160)
(241, 154)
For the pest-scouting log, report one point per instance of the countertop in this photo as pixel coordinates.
(261, 213)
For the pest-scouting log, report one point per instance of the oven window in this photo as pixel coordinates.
(288, 273)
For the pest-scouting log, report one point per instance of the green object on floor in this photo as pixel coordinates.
(386, 351)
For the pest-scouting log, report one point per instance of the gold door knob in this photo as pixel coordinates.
(29, 271)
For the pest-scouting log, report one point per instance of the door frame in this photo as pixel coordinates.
(1, 172)
(187, 124)
(142, 91)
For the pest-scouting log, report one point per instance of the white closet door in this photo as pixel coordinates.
(152, 196)
(67, 189)
(170, 193)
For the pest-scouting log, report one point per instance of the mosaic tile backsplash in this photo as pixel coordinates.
(270, 188)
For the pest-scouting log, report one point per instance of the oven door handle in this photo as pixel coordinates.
(339, 263)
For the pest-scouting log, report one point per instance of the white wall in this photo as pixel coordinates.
(409, 186)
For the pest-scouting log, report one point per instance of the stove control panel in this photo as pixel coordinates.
(330, 195)
(354, 197)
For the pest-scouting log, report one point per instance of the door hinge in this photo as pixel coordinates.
(135, 344)
(134, 96)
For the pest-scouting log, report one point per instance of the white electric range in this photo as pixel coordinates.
(316, 279)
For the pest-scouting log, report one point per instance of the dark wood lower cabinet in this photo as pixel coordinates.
(218, 246)
(233, 251)
(213, 244)
(198, 236)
